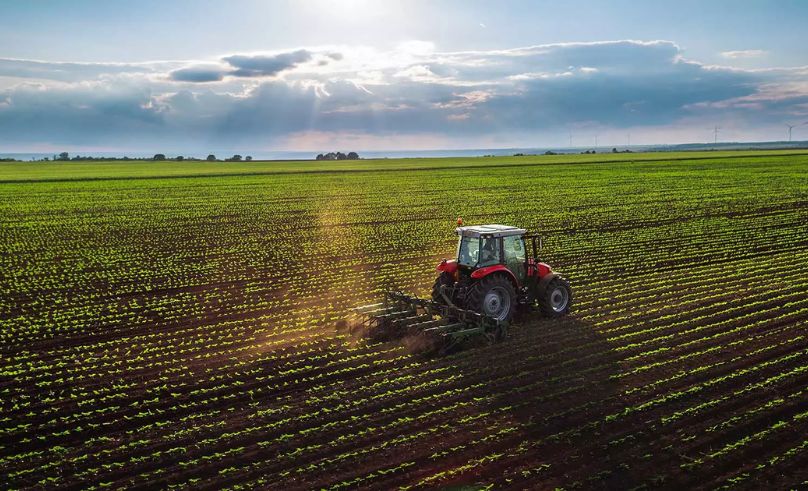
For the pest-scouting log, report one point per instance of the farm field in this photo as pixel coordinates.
(175, 325)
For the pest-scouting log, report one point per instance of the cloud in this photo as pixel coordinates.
(522, 95)
(266, 65)
(198, 73)
(71, 72)
(747, 53)
(237, 65)
(81, 114)
(251, 66)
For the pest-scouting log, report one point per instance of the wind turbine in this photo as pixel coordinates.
(792, 126)
(715, 132)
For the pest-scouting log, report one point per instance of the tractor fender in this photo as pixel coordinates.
(447, 266)
(497, 268)
(538, 269)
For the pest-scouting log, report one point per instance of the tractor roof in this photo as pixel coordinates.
(489, 231)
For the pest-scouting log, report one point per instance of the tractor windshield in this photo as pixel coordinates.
(468, 251)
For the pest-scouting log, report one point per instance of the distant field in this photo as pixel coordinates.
(161, 332)
(25, 171)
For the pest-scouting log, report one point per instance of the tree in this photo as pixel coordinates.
(235, 158)
(211, 158)
(63, 156)
(353, 156)
(180, 158)
(159, 156)
(249, 158)
(614, 150)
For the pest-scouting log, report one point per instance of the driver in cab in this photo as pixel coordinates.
(489, 251)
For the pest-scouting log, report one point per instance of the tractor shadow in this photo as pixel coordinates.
(552, 382)
(569, 363)
(551, 378)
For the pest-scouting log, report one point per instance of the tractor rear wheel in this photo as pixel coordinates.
(556, 299)
(443, 279)
(493, 296)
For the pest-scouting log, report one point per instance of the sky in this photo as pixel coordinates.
(317, 75)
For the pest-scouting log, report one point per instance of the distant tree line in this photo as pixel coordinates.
(338, 156)
(64, 157)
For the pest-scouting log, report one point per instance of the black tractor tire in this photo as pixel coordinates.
(443, 279)
(556, 298)
(498, 285)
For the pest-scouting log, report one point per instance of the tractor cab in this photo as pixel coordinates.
(485, 246)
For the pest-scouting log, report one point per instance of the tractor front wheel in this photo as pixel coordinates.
(493, 296)
(556, 299)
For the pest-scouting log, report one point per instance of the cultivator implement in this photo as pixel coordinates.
(426, 325)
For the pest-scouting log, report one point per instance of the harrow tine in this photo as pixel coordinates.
(444, 328)
(362, 309)
(379, 311)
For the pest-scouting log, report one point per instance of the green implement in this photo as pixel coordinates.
(429, 325)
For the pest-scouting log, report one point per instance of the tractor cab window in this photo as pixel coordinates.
(468, 251)
(478, 252)
(489, 251)
(515, 255)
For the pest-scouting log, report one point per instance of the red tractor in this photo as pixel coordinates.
(493, 275)
(476, 294)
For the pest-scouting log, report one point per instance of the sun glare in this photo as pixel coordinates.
(346, 10)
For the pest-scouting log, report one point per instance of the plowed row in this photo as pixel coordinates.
(182, 332)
